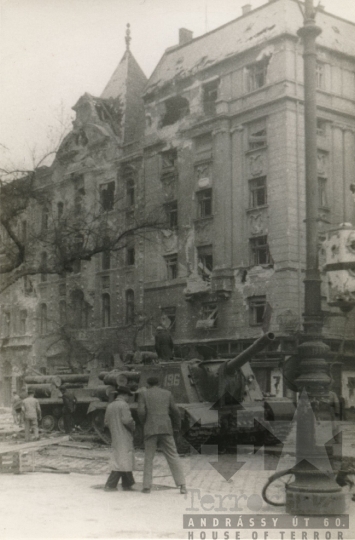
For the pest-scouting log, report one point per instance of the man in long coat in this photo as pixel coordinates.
(161, 417)
(164, 345)
(119, 420)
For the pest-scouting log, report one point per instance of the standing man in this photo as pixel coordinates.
(17, 408)
(161, 417)
(69, 402)
(32, 415)
(164, 345)
(119, 420)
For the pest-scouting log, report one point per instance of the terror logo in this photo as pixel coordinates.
(222, 503)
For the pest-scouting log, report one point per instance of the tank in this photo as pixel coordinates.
(219, 400)
(47, 389)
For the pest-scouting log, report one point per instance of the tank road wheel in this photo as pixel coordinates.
(85, 424)
(61, 424)
(48, 423)
(99, 426)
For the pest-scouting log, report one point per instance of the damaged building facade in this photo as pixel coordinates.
(215, 137)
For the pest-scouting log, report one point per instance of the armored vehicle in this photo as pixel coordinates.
(47, 388)
(219, 400)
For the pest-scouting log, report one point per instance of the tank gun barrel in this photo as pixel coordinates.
(245, 356)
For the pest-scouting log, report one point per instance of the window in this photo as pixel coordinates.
(319, 75)
(62, 312)
(169, 158)
(80, 309)
(43, 321)
(43, 267)
(257, 306)
(60, 209)
(7, 323)
(204, 201)
(258, 193)
(257, 74)
(175, 109)
(105, 282)
(130, 186)
(130, 256)
(24, 231)
(28, 285)
(171, 266)
(259, 251)
(106, 310)
(107, 196)
(62, 289)
(210, 96)
(129, 306)
(203, 143)
(169, 318)
(321, 128)
(172, 214)
(322, 192)
(45, 219)
(205, 262)
(257, 135)
(79, 191)
(128, 175)
(106, 260)
(23, 321)
(210, 314)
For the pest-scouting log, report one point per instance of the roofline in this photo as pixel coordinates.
(244, 15)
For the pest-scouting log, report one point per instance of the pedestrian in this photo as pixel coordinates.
(164, 345)
(69, 407)
(32, 415)
(17, 408)
(119, 420)
(160, 416)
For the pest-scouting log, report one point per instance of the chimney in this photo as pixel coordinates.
(246, 8)
(185, 36)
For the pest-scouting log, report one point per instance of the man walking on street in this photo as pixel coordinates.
(119, 420)
(32, 415)
(161, 417)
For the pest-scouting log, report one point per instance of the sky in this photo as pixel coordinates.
(53, 51)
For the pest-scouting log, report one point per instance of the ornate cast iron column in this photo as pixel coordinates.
(314, 490)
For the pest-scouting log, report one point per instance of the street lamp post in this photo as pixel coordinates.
(314, 490)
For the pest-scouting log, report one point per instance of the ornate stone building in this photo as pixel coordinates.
(216, 138)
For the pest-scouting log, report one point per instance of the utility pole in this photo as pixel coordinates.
(314, 491)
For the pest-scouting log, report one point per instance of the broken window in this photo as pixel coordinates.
(319, 75)
(169, 158)
(129, 306)
(107, 196)
(260, 253)
(257, 135)
(130, 253)
(210, 96)
(106, 310)
(322, 192)
(169, 318)
(129, 176)
(172, 214)
(43, 321)
(205, 262)
(62, 289)
(45, 219)
(257, 74)
(60, 209)
(204, 201)
(257, 306)
(106, 260)
(210, 314)
(79, 191)
(62, 312)
(23, 321)
(24, 231)
(258, 193)
(7, 323)
(175, 109)
(28, 285)
(105, 282)
(171, 262)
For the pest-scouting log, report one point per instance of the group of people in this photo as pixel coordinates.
(161, 418)
(27, 411)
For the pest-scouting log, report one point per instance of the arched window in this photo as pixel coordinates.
(106, 310)
(80, 310)
(43, 321)
(129, 306)
(62, 312)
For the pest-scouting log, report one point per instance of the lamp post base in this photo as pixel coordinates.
(321, 496)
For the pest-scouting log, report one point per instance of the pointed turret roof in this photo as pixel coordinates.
(127, 84)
